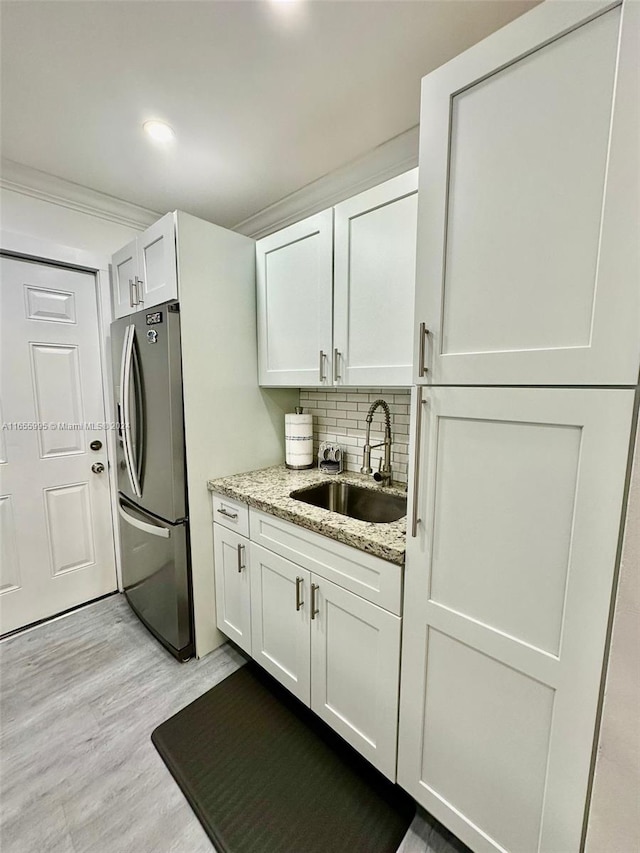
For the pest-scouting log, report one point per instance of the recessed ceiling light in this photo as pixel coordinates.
(159, 131)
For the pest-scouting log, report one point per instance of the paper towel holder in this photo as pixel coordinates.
(295, 438)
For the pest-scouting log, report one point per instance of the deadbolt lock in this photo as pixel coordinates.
(96, 445)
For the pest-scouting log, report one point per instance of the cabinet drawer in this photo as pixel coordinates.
(231, 514)
(367, 576)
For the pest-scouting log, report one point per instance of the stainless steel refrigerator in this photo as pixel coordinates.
(152, 495)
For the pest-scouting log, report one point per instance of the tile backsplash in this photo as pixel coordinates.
(339, 417)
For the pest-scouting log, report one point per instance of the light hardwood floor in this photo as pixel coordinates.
(79, 698)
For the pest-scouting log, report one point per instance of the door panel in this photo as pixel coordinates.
(294, 289)
(57, 397)
(507, 591)
(280, 632)
(156, 261)
(124, 267)
(527, 263)
(355, 660)
(474, 700)
(56, 517)
(233, 585)
(374, 283)
(69, 527)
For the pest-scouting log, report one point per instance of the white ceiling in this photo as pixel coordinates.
(264, 96)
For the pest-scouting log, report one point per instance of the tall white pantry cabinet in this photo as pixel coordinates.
(527, 294)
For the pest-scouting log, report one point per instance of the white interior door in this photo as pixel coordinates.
(374, 283)
(355, 662)
(294, 269)
(507, 593)
(529, 211)
(57, 535)
(280, 602)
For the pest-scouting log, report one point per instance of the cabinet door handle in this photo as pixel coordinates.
(416, 462)
(314, 609)
(299, 601)
(139, 300)
(241, 558)
(336, 359)
(421, 354)
(132, 300)
(227, 514)
(323, 355)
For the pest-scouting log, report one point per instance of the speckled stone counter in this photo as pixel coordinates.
(269, 489)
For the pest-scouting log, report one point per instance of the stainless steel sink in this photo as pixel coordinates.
(354, 501)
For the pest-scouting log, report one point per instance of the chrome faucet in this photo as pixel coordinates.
(383, 475)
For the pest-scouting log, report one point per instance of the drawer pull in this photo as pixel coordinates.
(227, 514)
(314, 609)
(299, 601)
(241, 558)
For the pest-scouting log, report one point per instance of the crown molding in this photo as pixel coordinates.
(393, 157)
(19, 178)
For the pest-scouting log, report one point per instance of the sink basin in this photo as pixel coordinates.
(354, 501)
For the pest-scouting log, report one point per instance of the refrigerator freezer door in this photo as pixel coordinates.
(155, 573)
(148, 372)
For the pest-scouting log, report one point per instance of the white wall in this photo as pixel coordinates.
(614, 816)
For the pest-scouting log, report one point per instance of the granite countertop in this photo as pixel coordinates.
(269, 489)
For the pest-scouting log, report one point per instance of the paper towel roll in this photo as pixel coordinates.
(298, 436)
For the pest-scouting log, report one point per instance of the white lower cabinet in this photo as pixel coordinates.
(280, 620)
(233, 593)
(336, 651)
(355, 659)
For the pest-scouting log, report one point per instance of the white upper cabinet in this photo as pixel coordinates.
(528, 222)
(294, 281)
(374, 284)
(157, 271)
(124, 266)
(320, 325)
(144, 271)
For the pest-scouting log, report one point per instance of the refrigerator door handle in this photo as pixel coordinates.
(153, 529)
(138, 448)
(125, 393)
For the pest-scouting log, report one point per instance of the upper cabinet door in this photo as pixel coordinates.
(374, 284)
(528, 222)
(157, 272)
(123, 271)
(294, 278)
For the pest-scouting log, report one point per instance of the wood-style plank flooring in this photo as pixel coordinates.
(79, 698)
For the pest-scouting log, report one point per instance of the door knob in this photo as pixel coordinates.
(97, 467)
